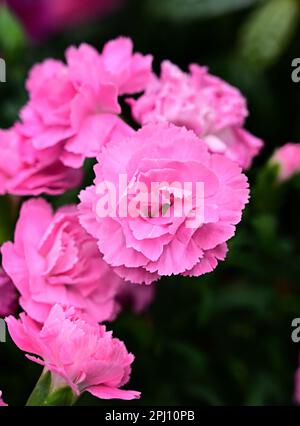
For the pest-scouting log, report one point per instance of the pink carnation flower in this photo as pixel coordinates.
(2, 403)
(78, 114)
(288, 159)
(201, 102)
(8, 295)
(54, 259)
(143, 247)
(25, 170)
(86, 357)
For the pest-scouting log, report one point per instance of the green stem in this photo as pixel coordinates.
(6, 219)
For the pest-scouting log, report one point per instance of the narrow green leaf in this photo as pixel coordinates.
(12, 36)
(179, 10)
(265, 35)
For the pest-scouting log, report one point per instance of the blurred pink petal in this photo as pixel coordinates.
(2, 403)
(137, 297)
(44, 17)
(8, 295)
(288, 159)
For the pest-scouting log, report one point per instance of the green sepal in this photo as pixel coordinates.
(60, 397)
(41, 390)
(45, 395)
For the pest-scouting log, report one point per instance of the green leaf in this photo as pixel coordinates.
(12, 36)
(204, 394)
(266, 226)
(262, 390)
(189, 354)
(243, 298)
(179, 10)
(267, 32)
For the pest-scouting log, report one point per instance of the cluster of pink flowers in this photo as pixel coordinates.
(74, 268)
(72, 111)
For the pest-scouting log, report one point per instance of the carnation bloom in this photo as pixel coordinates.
(142, 247)
(84, 356)
(8, 295)
(288, 159)
(25, 170)
(201, 102)
(54, 259)
(2, 403)
(78, 113)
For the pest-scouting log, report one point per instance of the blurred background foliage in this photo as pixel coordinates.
(224, 338)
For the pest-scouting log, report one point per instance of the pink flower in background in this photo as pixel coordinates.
(25, 170)
(201, 102)
(2, 403)
(78, 114)
(54, 259)
(137, 297)
(44, 17)
(85, 356)
(143, 248)
(8, 295)
(297, 387)
(288, 159)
